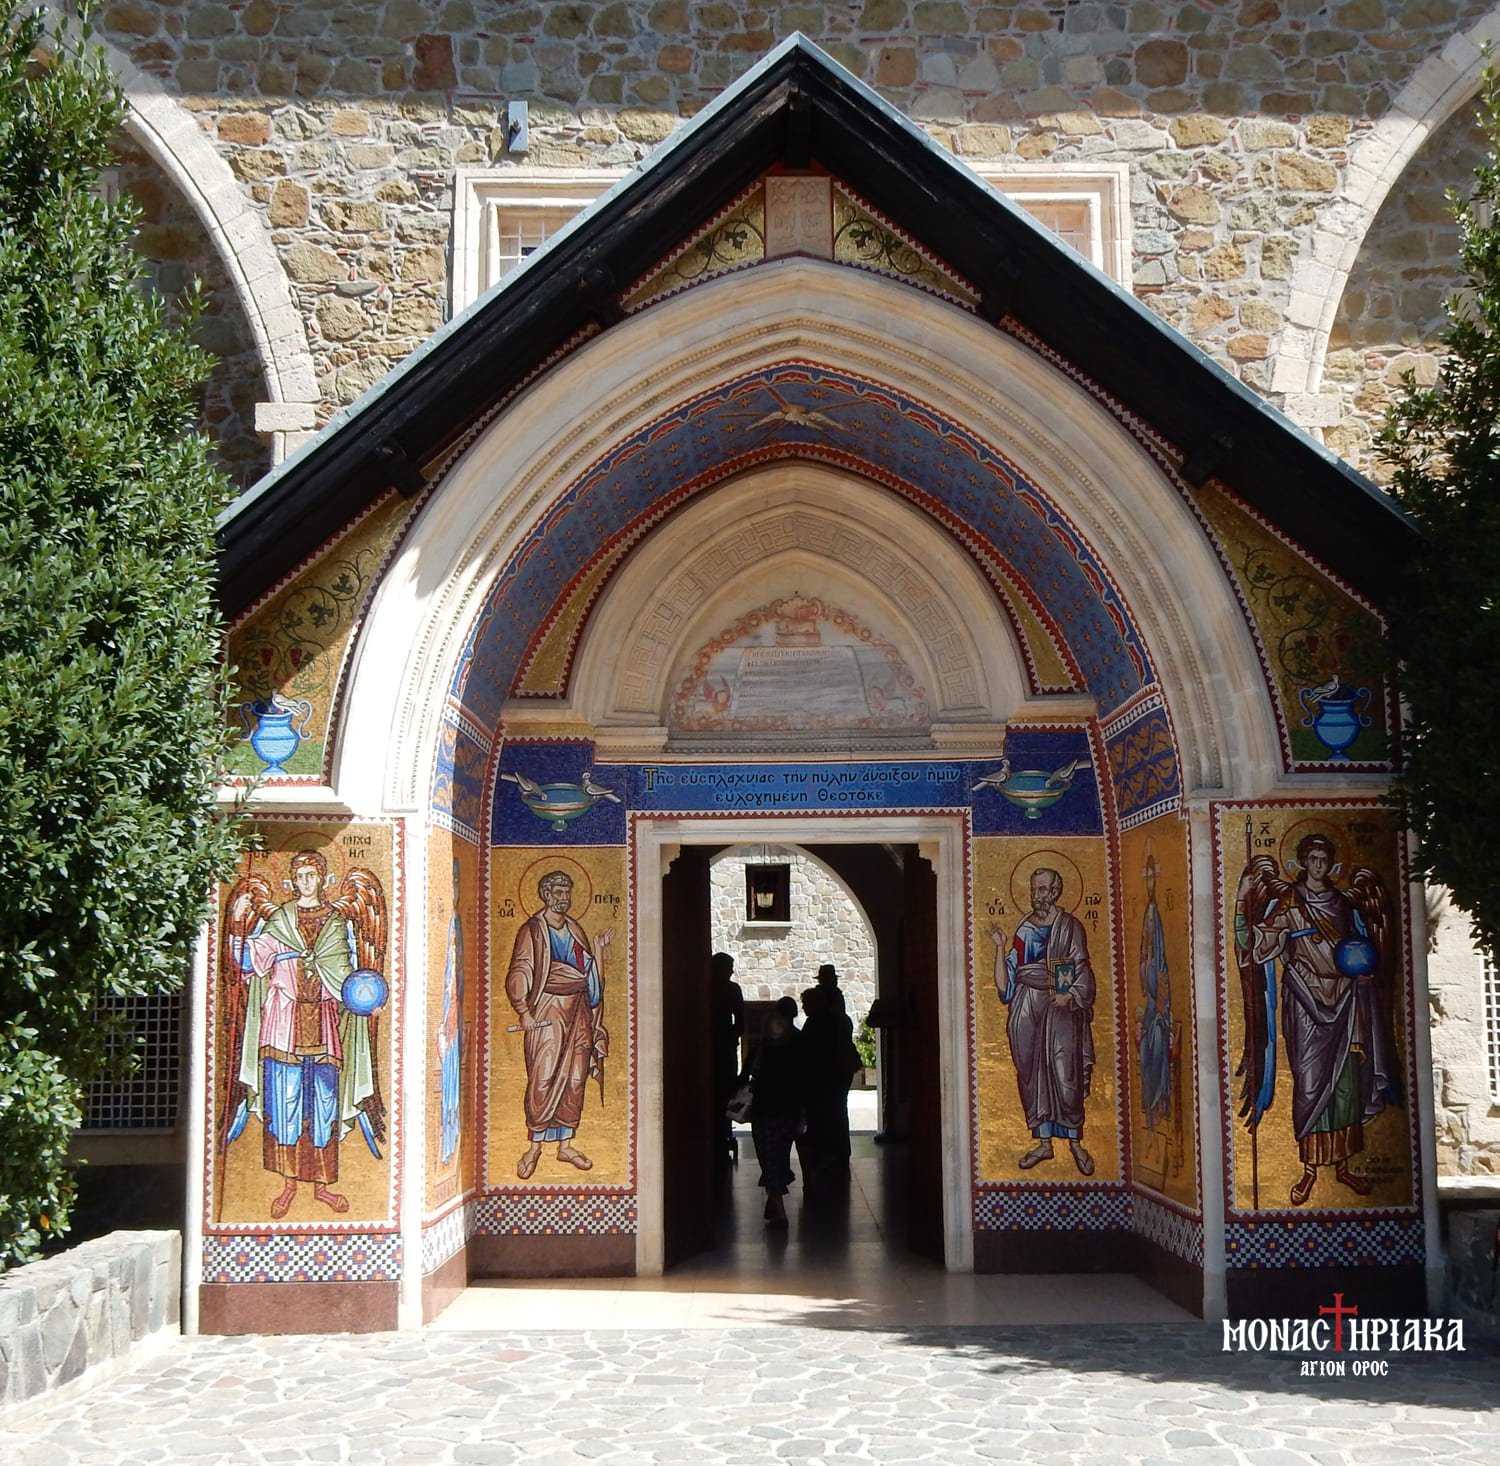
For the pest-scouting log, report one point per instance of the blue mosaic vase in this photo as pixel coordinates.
(1336, 718)
(273, 736)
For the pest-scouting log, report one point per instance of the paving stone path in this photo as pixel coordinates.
(805, 1395)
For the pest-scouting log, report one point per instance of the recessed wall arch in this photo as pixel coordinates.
(1435, 91)
(177, 144)
(1110, 490)
(796, 528)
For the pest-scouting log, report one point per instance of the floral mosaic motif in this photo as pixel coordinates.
(727, 244)
(288, 654)
(859, 238)
(1318, 641)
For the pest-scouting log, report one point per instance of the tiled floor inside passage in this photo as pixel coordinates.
(842, 1262)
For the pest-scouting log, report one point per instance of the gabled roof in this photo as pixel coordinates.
(798, 108)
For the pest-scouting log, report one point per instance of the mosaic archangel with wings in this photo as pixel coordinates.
(303, 985)
(1327, 956)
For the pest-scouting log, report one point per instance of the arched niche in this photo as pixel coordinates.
(521, 467)
(169, 133)
(798, 529)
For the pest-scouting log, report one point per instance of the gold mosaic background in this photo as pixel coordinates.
(242, 1190)
(1163, 1156)
(600, 902)
(447, 1180)
(1312, 631)
(1363, 836)
(294, 645)
(1002, 872)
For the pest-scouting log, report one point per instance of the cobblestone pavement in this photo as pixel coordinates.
(810, 1395)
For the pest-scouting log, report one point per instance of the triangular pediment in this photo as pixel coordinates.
(794, 139)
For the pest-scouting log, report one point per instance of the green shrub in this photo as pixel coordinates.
(38, 1114)
(1444, 443)
(111, 724)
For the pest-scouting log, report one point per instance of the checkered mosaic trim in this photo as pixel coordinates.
(1178, 1234)
(552, 1214)
(1012, 1210)
(1303, 1242)
(302, 1259)
(443, 1238)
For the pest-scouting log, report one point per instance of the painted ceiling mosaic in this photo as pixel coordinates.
(793, 410)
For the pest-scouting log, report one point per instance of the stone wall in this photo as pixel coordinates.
(827, 926)
(1467, 1117)
(344, 125)
(1392, 311)
(173, 240)
(1473, 1276)
(85, 1309)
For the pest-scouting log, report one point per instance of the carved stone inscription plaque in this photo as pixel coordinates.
(799, 664)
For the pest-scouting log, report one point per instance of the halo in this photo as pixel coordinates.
(325, 844)
(1020, 879)
(1335, 833)
(526, 897)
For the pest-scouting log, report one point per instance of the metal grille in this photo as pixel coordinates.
(1492, 1024)
(147, 1098)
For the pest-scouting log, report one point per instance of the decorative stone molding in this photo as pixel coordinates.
(794, 532)
(1048, 425)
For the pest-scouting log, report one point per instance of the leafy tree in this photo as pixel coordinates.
(1444, 445)
(111, 720)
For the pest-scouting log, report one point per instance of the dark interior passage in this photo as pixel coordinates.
(896, 888)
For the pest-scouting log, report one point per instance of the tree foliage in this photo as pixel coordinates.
(111, 721)
(1444, 445)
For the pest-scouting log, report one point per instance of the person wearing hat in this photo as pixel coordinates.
(830, 1062)
(828, 980)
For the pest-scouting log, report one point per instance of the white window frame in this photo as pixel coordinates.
(482, 194)
(1102, 189)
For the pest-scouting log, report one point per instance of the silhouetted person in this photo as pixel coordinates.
(727, 1022)
(828, 982)
(775, 1075)
(829, 1062)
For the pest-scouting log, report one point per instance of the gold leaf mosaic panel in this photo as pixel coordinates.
(1320, 1080)
(522, 1065)
(291, 649)
(451, 1064)
(289, 1033)
(1003, 869)
(1161, 1057)
(1319, 641)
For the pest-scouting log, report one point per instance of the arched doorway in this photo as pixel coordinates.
(662, 673)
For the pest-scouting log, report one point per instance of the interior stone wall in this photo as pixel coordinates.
(1392, 311)
(827, 926)
(1467, 1116)
(172, 238)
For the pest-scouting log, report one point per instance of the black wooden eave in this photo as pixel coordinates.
(797, 108)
